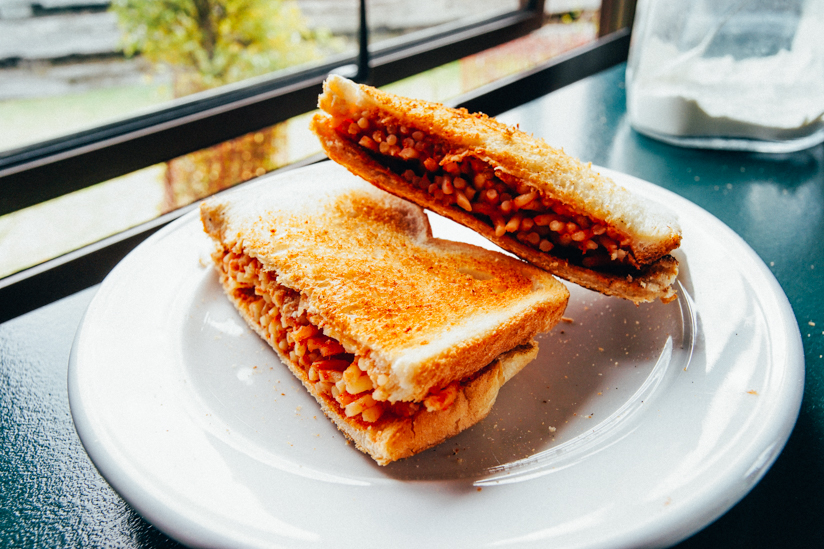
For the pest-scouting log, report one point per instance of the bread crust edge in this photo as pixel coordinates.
(539, 313)
(531, 159)
(398, 438)
(653, 282)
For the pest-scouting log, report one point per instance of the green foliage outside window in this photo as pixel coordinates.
(209, 43)
(214, 42)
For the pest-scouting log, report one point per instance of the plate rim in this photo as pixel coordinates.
(678, 528)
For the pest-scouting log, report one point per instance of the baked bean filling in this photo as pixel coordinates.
(503, 201)
(326, 364)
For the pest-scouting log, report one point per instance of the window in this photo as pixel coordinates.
(70, 65)
(128, 177)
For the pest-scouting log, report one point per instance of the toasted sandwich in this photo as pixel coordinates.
(402, 338)
(529, 198)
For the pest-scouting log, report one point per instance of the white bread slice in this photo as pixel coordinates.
(391, 437)
(652, 232)
(419, 313)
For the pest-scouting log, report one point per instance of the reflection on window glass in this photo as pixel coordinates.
(50, 229)
(67, 65)
(394, 18)
(47, 230)
(560, 33)
(205, 172)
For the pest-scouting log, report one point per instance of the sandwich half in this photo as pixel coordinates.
(402, 338)
(529, 198)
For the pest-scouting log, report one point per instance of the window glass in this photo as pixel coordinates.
(50, 229)
(560, 33)
(390, 19)
(68, 65)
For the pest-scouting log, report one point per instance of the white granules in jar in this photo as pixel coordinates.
(776, 97)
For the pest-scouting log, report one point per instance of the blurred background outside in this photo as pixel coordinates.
(69, 65)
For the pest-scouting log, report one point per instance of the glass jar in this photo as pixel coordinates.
(728, 74)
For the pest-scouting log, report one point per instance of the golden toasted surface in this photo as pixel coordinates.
(655, 231)
(421, 311)
(393, 437)
(653, 282)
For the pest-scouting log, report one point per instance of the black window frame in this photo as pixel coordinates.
(47, 170)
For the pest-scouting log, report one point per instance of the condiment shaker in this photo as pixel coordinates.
(728, 74)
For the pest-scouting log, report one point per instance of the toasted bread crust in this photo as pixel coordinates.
(652, 282)
(420, 312)
(349, 249)
(654, 231)
(404, 437)
(393, 438)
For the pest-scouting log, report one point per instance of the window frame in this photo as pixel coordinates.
(46, 170)
(34, 174)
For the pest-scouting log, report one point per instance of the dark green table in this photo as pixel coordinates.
(52, 496)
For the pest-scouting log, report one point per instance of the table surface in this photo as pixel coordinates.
(51, 494)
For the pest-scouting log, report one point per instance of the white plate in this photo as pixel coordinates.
(636, 426)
